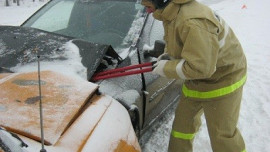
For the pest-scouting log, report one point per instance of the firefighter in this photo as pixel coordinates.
(204, 52)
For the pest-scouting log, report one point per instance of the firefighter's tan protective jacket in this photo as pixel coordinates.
(207, 53)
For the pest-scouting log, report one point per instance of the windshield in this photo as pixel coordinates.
(99, 21)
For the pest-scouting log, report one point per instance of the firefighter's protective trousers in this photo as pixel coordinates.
(221, 117)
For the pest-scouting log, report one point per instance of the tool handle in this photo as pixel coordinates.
(113, 75)
(125, 68)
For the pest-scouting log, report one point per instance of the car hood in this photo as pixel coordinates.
(22, 45)
(75, 118)
(62, 98)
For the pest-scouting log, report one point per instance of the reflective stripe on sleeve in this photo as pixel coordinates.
(214, 93)
(182, 135)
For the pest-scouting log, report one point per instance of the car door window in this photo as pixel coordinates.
(157, 32)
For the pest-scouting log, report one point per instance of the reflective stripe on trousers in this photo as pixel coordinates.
(214, 93)
(184, 136)
(181, 135)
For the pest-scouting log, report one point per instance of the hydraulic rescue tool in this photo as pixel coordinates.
(124, 71)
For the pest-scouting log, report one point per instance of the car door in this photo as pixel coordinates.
(161, 92)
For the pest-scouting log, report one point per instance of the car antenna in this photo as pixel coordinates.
(40, 105)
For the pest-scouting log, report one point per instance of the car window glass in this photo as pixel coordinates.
(112, 22)
(52, 22)
(157, 32)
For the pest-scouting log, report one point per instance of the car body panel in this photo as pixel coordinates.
(82, 134)
(84, 121)
(62, 99)
(2, 75)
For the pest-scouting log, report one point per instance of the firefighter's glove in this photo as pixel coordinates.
(159, 68)
(164, 56)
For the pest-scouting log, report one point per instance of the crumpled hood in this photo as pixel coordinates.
(181, 1)
(75, 118)
(62, 99)
(19, 46)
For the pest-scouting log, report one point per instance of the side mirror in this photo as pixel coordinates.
(159, 47)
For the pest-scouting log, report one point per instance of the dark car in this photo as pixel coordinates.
(85, 37)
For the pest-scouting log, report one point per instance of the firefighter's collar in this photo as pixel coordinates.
(169, 13)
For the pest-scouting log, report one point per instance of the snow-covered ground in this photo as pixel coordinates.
(250, 21)
(16, 15)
